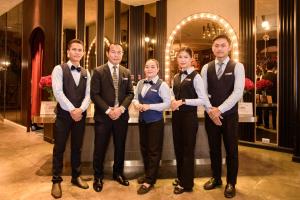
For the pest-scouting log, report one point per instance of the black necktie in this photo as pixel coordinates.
(149, 82)
(75, 68)
(183, 72)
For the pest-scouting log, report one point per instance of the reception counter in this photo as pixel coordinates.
(132, 143)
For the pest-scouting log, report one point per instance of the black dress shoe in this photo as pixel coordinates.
(176, 182)
(180, 190)
(229, 191)
(144, 189)
(80, 183)
(98, 185)
(121, 179)
(141, 179)
(56, 190)
(212, 184)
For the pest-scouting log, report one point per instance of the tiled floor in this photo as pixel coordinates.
(25, 173)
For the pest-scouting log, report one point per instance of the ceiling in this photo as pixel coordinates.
(190, 32)
(6, 5)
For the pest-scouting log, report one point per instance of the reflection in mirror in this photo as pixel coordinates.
(90, 34)
(150, 30)
(90, 61)
(197, 35)
(266, 70)
(124, 32)
(197, 31)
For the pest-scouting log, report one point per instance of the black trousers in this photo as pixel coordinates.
(229, 131)
(151, 142)
(64, 125)
(185, 127)
(103, 131)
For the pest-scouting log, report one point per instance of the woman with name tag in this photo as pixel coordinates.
(189, 93)
(152, 96)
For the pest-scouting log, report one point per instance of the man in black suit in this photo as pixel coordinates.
(271, 91)
(111, 92)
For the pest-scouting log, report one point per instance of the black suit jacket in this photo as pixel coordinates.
(103, 91)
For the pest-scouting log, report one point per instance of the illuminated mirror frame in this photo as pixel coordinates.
(90, 48)
(206, 16)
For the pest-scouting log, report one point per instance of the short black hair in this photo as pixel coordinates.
(114, 43)
(74, 41)
(223, 36)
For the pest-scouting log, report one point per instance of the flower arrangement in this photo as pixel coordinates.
(263, 84)
(249, 85)
(46, 84)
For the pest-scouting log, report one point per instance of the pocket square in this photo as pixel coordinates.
(153, 90)
(209, 96)
(188, 79)
(229, 73)
(124, 78)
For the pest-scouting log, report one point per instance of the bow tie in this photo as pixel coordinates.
(149, 82)
(183, 72)
(76, 68)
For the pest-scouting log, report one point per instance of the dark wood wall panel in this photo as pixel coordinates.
(80, 25)
(287, 86)
(296, 156)
(100, 33)
(161, 32)
(247, 57)
(136, 40)
(58, 31)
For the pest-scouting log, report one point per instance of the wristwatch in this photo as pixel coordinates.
(183, 101)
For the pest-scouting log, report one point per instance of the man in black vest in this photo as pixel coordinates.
(224, 80)
(111, 92)
(71, 87)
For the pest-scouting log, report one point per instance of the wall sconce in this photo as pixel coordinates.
(147, 39)
(265, 24)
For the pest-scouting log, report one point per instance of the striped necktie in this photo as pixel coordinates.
(220, 71)
(116, 85)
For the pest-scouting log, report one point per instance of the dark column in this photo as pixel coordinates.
(288, 93)
(100, 33)
(247, 57)
(58, 31)
(296, 156)
(117, 21)
(136, 40)
(80, 26)
(161, 35)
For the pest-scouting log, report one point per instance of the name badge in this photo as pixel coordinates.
(188, 79)
(125, 79)
(228, 74)
(84, 77)
(153, 90)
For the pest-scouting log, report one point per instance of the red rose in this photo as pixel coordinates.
(249, 85)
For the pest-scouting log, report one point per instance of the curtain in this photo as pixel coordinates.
(36, 73)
